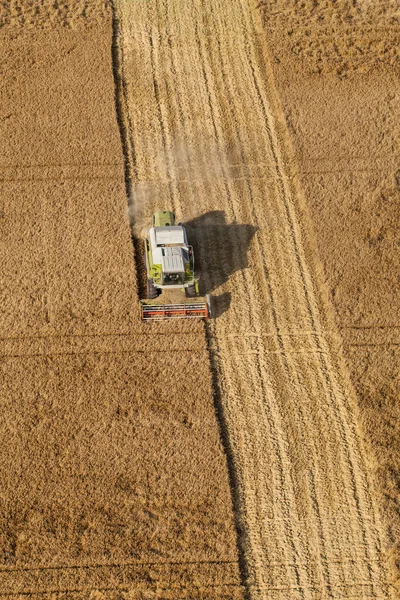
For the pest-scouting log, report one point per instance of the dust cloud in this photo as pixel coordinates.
(172, 188)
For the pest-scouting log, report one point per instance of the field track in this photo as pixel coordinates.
(203, 136)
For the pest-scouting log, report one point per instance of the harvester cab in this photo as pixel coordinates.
(171, 279)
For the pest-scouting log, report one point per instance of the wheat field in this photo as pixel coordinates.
(189, 460)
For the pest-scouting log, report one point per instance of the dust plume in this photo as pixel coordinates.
(173, 180)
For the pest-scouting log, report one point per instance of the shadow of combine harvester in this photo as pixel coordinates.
(220, 249)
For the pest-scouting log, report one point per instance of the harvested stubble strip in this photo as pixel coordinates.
(207, 97)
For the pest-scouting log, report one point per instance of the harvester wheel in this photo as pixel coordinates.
(191, 291)
(152, 291)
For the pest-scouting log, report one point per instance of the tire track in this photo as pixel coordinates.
(325, 369)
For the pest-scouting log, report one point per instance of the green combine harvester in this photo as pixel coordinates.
(172, 285)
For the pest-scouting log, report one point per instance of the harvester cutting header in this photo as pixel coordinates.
(171, 279)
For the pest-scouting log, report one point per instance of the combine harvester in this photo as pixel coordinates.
(172, 286)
